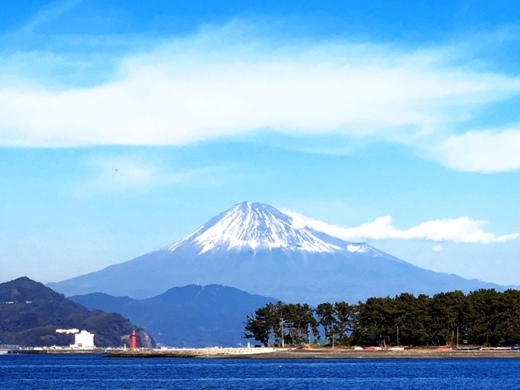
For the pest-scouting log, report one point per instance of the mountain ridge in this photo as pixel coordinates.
(252, 226)
(30, 313)
(256, 248)
(188, 316)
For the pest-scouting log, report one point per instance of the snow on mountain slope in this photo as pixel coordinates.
(253, 226)
(256, 248)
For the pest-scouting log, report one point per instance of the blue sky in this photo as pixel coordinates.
(124, 125)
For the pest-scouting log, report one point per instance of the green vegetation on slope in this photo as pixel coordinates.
(30, 313)
(189, 316)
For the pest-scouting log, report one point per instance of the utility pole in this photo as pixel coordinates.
(398, 335)
(282, 333)
(457, 337)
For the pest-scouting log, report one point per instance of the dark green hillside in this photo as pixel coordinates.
(30, 313)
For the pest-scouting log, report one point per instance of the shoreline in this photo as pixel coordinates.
(407, 354)
(317, 354)
(287, 353)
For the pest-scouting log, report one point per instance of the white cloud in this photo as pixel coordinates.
(204, 87)
(437, 248)
(460, 230)
(484, 151)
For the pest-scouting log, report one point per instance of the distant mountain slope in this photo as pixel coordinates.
(30, 313)
(256, 248)
(190, 316)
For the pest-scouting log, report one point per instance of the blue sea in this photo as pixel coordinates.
(64, 372)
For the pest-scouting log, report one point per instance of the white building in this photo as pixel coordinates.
(83, 339)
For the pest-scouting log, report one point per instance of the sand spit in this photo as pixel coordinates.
(315, 353)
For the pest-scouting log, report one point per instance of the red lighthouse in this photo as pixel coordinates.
(133, 340)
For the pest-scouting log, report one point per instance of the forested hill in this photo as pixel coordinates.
(189, 316)
(30, 313)
(483, 317)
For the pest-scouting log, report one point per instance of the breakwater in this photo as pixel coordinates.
(315, 353)
(189, 352)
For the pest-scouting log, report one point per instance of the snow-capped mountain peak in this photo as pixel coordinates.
(253, 226)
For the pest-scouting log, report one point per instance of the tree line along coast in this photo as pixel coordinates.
(484, 317)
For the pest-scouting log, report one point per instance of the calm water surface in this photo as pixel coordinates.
(62, 372)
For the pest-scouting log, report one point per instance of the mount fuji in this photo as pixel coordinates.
(256, 248)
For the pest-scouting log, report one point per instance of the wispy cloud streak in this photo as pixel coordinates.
(132, 174)
(49, 13)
